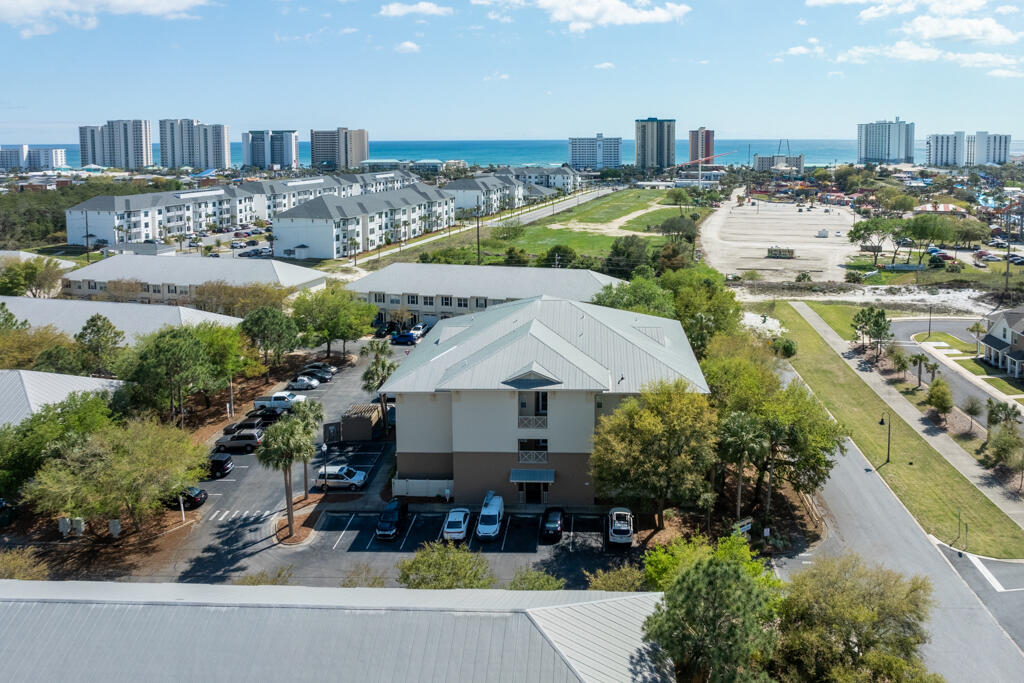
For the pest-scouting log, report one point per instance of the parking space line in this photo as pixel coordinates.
(246, 514)
(508, 523)
(267, 513)
(408, 531)
(572, 528)
(210, 516)
(241, 467)
(342, 535)
(225, 480)
(216, 494)
(235, 515)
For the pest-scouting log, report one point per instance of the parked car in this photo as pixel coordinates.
(320, 375)
(245, 441)
(303, 383)
(256, 231)
(405, 338)
(280, 401)
(946, 257)
(551, 524)
(268, 415)
(456, 524)
(620, 525)
(214, 255)
(419, 329)
(391, 519)
(237, 244)
(253, 243)
(247, 423)
(319, 365)
(195, 243)
(340, 476)
(191, 498)
(239, 234)
(266, 251)
(220, 465)
(839, 233)
(990, 257)
(488, 525)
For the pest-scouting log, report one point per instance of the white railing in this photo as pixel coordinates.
(533, 421)
(533, 457)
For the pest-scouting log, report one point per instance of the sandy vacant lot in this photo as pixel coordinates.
(736, 239)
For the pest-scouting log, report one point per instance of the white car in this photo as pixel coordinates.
(488, 525)
(302, 383)
(340, 476)
(456, 524)
(620, 526)
(839, 233)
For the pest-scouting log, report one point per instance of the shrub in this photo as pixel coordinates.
(282, 577)
(803, 277)
(854, 276)
(784, 346)
(22, 564)
(445, 565)
(527, 579)
(624, 579)
(954, 267)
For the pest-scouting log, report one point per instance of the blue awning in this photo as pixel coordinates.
(532, 476)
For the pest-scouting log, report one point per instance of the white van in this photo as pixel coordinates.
(488, 525)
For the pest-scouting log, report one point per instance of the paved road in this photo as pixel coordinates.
(863, 516)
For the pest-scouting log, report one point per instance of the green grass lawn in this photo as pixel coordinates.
(976, 367)
(931, 488)
(953, 342)
(1009, 385)
(659, 216)
(840, 316)
(991, 277)
(613, 206)
(538, 239)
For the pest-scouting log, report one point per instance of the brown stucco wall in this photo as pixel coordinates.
(435, 465)
(477, 473)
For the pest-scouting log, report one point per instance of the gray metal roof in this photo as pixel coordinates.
(154, 200)
(540, 190)
(335, 208)
(81, 631)
(484, 182)
(554, 343)
(26, 391)
(493, 282)
(369, 178)
(293, 185)
(194, 270)
(69, 315)
(28, 256)
(536, 170)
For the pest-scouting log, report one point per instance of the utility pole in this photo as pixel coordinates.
(87, 261)
(478, 233)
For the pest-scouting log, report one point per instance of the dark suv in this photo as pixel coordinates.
(220, 465)
(247, 423)
(245, 441)
(391, 519)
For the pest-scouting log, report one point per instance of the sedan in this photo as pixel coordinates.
(303, 383)
(990, 257)
(321, 366)
(456, 524)
(620, 526)
(406, 338)
(319, 375)
(253, 243)
(391, 519)
(551, 524)
(191, 498)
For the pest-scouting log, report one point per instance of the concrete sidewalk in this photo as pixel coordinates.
(967, 375)
(1006, 500)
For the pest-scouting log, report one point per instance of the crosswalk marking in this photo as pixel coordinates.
(238, 515)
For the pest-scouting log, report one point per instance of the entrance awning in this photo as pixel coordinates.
(532, 476)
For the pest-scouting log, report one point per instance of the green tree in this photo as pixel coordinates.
(740, 372)
(271, 331)
(8, 321)
(311, 415)
(60, 359)
(843, 620)
(741, 440)
(170, 365)
(98, 344)
(445, 566)
(973, 408)
(281, 577)
(1001, 413)
(1004, 442)
(657, 448)
(228, 353)
(663, 564)
(927, 229)
(919, 360)
(284, 442)
(558, 256)
(872, 233)
(526, 579)
(713, 623)
(21, 347)
(41, 275)
(22, 564)
(624, 579)
(330, 314)
(704, 306)
(977, 329)
(625, 255)
(940, 397)
(516, 257)
(640, 295)
(900, 361)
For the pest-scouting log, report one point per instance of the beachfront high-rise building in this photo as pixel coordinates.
(33, 158)
(987, 148)
(885, 142)
(124, 143)
(186, 142)
(655, 143)
(946, 149)
(339, 148)
(270, 149)
(779, 163)
(595, 153)
(702, 144)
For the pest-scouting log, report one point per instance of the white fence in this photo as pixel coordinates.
(425, 488)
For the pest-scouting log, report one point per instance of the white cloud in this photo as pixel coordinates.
(798, 50)
(604, 65)
(347, 30)
(801, 22)
(777, 59)
(496, 77)
(41, 17)
(986, 30)
(835, 74)
(901, 50)
(502, 17)
(1007, 9)
(583, 15)
(979, 60)
(1006, 73)
(398, 9)
(407, 47)
(813, 48)
(883, 8)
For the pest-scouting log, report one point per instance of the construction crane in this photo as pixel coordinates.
(700, 166)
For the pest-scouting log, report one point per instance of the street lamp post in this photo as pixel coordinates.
(323, 449)
(888, 440)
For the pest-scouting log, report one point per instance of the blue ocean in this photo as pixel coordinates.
(556, 152)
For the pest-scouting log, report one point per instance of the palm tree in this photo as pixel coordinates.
(378, 371)
(283, 443)
(311, 415)
(919, 360)
(932, 368)
(977, 329)
(741, 440)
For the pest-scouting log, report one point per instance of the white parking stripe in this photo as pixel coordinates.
(267, 513)
(236, 514)
(209, 517)
(407, 532)
(508, 523)
(342, 535)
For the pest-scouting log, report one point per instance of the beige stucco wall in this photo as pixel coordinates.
(424, 422)
(433, 465)
(486, 421)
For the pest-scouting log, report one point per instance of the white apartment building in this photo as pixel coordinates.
(270, 149)
(946, 149)
(275, 196)
(441, 290)
(595, 153)
(186, 142)
(779, 162)
(885, 142)
(380, 182)
(507, 399)
(491, 193)
(28, 158)
(124, 143)
(987, 148)
(655, 143)
(338, 149)
(337, 227)
(558, 178)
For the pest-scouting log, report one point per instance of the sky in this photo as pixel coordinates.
(513, 69)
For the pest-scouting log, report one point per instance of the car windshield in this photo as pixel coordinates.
(291, 396)
(553, 522)
(489, 519)
(390, 515)
(349, 473)
(192, 491)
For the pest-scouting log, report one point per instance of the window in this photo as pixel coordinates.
(446, 301)
(156, 289)
(428, 301)
(412, 299)
(481, 302)
(92, 285)
(463, 302)
(145, 288)
(378, 298)
(171, 289)
(396, 300)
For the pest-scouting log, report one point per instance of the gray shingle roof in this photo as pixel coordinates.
(154, 200)
(26, 391)
(335, 208)
(122, 631)
(493, 282)
(486, 183)
(194, 270)
(576, 346)
(69, 315)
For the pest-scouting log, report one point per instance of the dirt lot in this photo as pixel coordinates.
(736, 239)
